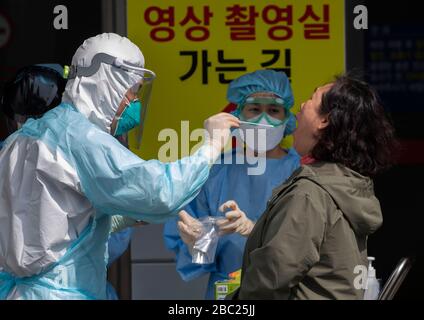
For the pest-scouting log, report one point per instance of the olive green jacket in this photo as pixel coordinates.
(311, 237)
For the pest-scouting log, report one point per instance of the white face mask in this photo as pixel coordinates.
(262, 138)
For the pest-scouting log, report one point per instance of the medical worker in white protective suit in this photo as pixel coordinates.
(64, 175)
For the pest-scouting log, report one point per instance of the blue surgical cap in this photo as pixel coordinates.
(261, 81)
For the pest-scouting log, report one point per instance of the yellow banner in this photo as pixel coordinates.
(197, 47)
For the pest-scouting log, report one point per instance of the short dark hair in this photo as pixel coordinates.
(358, 135)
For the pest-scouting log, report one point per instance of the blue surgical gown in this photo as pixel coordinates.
(117, 244)
(94, 178)
(228, 182)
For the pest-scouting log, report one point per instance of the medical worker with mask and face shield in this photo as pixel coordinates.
(33, 91)
(65, 175)
(264, 99)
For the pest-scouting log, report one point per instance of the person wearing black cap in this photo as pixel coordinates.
(32, 92)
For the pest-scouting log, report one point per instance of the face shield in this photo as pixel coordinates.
(140, 91)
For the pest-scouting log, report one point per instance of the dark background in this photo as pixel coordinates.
(400, 190)
(35, 40)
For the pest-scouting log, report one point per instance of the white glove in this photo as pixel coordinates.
(236, 220)
(218, 131)
(189, 229)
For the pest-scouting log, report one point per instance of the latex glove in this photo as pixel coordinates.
(218, 131)
(189, 229)
(236, 220)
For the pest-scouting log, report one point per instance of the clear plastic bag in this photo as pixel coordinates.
(204, 248)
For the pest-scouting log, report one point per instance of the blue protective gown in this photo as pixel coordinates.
(62, 180)
(228, 182)
(117, 244)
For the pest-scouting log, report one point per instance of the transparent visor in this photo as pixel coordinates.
(142, 91)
